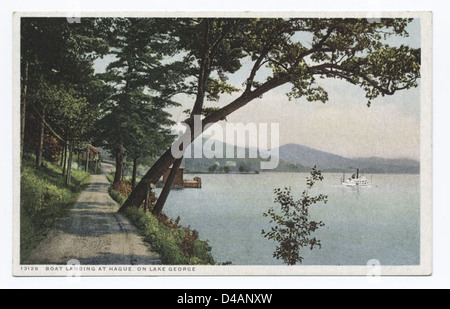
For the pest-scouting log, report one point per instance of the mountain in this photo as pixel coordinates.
(236, 165)
(308, 157)
(298, 158)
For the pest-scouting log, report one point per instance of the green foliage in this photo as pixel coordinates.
(351, 50)
(134, 122)
(207, 110)
(98, 170)
(119, 198)
(69, 111)
(296, 51)
(110, 177)
(52, 149)
(175, 246)
(57, 67)
(293, 226)
(226, 169)
(217, 88)
(212, 168)
(44, 199)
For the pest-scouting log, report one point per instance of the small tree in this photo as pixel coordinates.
(226, 169)
(293, 227)
(212, 168)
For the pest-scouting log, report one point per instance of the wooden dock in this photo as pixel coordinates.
(194, 184)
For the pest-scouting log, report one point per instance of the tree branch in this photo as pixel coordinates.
(215, 45)
(344, 71)
(244, 99)
(201, 89)
(257, 66)
(317, 47)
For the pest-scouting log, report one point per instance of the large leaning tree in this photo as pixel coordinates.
(293, 51)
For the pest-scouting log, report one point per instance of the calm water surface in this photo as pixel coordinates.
(382, 222)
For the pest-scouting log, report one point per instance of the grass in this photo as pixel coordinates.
(110, 177)
(119, 198)
(44, 199)
(175, 244)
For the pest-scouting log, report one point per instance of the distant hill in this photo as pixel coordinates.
(298, 158)
(305, 156)
(385, 166)
(236, 165)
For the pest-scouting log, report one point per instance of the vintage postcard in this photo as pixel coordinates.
(222, 144)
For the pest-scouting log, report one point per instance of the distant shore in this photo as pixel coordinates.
(297, 172)
(222, 173)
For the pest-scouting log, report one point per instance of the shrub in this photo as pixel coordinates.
(119, 198)
(123, 187)
(52, 149)
(188, 242)
(110, 177)
(176, 246)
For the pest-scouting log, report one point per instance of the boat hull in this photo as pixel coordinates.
(346, 184)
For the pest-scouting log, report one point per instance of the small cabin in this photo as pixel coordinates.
(92, 154)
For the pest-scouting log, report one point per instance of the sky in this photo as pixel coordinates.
(344, 125)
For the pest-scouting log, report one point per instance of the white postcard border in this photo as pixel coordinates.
(426, 194)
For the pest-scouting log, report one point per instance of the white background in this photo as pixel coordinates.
(440, 278)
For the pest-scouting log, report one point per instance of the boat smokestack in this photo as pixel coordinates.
(357, 173)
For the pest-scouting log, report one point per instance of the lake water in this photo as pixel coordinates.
(382, 222)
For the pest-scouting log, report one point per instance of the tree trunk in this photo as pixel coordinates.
(61, 162)
(23, 108)
(65, 158)
(119, 164)
(161, 201)
(204, 72)
(133, 177)
(69, 164)
(40, 144)
(87, 159)
(137, 196)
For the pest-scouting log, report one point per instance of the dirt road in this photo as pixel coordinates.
(94, 233)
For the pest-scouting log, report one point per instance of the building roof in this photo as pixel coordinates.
(93, 149)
